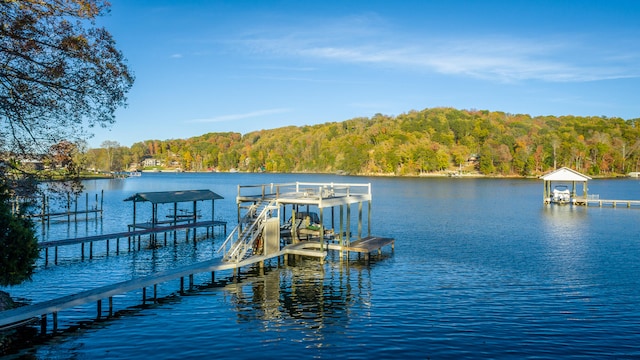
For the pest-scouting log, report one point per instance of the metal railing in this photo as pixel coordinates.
(240, 241)
(305, 189)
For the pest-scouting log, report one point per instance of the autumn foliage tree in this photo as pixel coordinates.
(60, 75)
(420, 142)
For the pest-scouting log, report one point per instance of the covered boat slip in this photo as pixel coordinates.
(560, 194)
(296, 205)
(565, 179)
(175, 216)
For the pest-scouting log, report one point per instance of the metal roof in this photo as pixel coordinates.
(565, 174)
(163, 197)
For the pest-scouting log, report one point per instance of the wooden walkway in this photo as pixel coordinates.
(46, 245)
(612, 203)
(68, 214)
(17, 317)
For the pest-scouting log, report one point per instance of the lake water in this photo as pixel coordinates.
(481, 269)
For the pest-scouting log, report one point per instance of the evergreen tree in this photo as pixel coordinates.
(18, 243)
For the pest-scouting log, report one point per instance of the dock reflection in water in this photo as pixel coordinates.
(267, 315)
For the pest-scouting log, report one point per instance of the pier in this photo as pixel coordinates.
(131, 236)
(71, 211)
(176, 216)
(567, 178)
(274, 221)
(608, 203)
(40, 311)
(176, 220)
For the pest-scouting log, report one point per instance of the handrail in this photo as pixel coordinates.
(319, 189)
(245, 219)
(246, 237)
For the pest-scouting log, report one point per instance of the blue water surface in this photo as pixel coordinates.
(481, 269)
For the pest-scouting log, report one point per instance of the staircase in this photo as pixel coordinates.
(240, 242)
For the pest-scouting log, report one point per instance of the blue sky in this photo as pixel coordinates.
(241, 66)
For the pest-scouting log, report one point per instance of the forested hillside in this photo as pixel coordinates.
(417, 142)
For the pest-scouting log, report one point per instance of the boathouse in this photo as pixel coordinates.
(563, 179)
(276, 219)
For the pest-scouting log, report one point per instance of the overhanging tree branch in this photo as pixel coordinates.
(59, 74)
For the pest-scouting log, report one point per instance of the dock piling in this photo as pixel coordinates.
(55, 322)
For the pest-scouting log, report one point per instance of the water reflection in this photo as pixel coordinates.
(563, 222)
(314, 300)
(563, 229)
(567, 246)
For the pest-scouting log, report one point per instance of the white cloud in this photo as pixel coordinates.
(241, 116)
(499, 58)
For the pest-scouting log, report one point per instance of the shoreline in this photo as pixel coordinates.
(445, 174)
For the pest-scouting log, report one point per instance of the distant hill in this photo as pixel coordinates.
(432, 140)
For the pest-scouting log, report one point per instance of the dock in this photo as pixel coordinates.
(609, 203)
(39, 311)
(364, 246)
(269, 227)
(287, 213)
(131, 236)
(568, 179)
(70, 213)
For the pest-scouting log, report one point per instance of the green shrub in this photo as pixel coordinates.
(18, 244)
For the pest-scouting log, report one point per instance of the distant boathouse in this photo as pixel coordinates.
(565, 190)
(560, 193)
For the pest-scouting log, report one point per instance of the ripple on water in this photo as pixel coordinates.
(481, 270)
